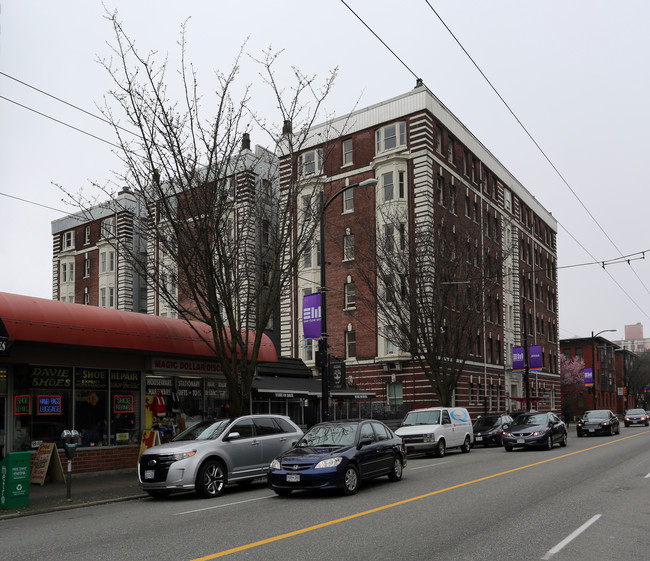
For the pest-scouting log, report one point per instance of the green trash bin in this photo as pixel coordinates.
(14, 480)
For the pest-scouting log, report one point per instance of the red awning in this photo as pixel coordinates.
(37, 320)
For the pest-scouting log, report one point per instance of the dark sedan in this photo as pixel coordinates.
(488, 429)
(339, 455)
(636, 417)
(535, 430)
(600, 421)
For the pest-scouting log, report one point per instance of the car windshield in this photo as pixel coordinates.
(536, 419)
(421, 418)
(339, 434)
(205, 430)
(636, 412)
(486, 422)
(596, 415)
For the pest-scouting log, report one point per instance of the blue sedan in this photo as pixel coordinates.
(339, 455)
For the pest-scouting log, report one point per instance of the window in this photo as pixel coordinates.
(71, 278)
(108, 227)
(507, 199)
(102, 297)
(402, 236)
(350, 344)
(68, 240)
(86, 297)
(102, 261)
(394, 393)
(87, 235)
(310, 162)
(307, 256)
(348, 247)
(267, 188)
(348, 200)
(349, 291)
(450, 150)
(441, 190)
(111, 297)
(111, 260)
(86, 265)
(388, 186)
(390, 335)
(308, 350)
(438, 140)
(347, 152)
(266, 232)
(452, 198)
(402, 184)
(64, 272)
(390, 137)
(389, 238)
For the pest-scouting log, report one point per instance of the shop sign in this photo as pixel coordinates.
(50, 377)
(91, 378)
(5, 346)
(49, 404)
(185, 366)
(125, 380)
(286, 395)
(122, 404)
(22, 405)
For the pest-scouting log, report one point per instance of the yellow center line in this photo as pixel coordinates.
(400, 503)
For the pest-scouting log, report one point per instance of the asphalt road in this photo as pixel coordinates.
(589, 501)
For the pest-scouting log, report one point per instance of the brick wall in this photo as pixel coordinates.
(103, 458)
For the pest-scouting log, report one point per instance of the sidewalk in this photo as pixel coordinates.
(86, 489)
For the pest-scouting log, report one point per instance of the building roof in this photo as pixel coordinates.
(38, 320)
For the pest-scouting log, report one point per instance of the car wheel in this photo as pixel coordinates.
(618, 429)
(350, 480)
(441, 449)
(211, 479)
(283, 492)
(549, 442)
(611, 430)
(158, 493)
(508, 448)
(397, 470)
(564, 440)
(579, 434)
(466, 447)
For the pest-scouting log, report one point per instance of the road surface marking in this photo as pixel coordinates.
(573, 535)
(223, 505)
(308, 529)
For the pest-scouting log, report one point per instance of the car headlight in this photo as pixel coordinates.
(605, 423)
(508, 434)
(643, 418)
(183, 455)
(539, 433)
(429, 437)
(329, 463)
(275, 464)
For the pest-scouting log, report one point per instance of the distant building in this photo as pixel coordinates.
(634, 340)
(89, 265)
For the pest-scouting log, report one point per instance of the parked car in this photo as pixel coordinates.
(636, 417)
(211, 454)
(535, 430)
(488, 429)
(434, 430)
(339, 455)
(598, 421)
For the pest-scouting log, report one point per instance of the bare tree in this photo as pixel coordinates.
(432, 287)
(639, 379)
(220, 240)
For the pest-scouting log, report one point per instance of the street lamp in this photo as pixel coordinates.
(593, 361)
(323, 358)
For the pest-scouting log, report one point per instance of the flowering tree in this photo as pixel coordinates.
(572, 380)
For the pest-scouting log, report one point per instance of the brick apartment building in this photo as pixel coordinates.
(431, 169)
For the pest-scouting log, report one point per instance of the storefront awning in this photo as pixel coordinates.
(37, 320)
(285, 387)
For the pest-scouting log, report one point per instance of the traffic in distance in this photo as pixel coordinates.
(341, 455)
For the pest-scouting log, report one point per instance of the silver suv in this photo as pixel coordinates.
(210, 454)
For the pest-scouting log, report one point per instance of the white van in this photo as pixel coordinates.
(432, 431)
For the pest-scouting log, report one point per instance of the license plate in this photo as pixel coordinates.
(293, 477)
(479, 438)
(520, 441)
(149, 474)
(592, 430)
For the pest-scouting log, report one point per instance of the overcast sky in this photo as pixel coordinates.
(576, 74)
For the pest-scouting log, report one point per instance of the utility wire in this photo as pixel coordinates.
(66, 103)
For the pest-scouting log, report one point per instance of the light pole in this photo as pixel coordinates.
(323, 358)
(593, 361)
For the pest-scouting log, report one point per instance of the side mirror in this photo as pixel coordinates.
(232, 436)
(505, 426)
(364, 442)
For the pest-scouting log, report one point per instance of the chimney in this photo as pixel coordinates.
(286, 129)
(246, 141)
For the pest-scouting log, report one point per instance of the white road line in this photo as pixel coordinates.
(571, 537)
(646, 477)
(427, 466)
(222, 506)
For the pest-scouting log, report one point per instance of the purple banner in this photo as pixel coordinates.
(311, 310)
(589, 378)
(535, 357)
(518, 360)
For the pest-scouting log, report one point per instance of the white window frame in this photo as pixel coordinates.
(347, 152)
(348, 247)
(350, 344)
(108, 227)
(310, 162)
(348, 200)
(67, 240)
(350, 295)
(390, 137)
(388, 186)
(87, 235)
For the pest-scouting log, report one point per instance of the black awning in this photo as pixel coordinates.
(351, 393)
(287, 387)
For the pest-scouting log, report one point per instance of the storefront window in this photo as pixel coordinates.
(125, 407)
(43, 406)
(91, 392)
